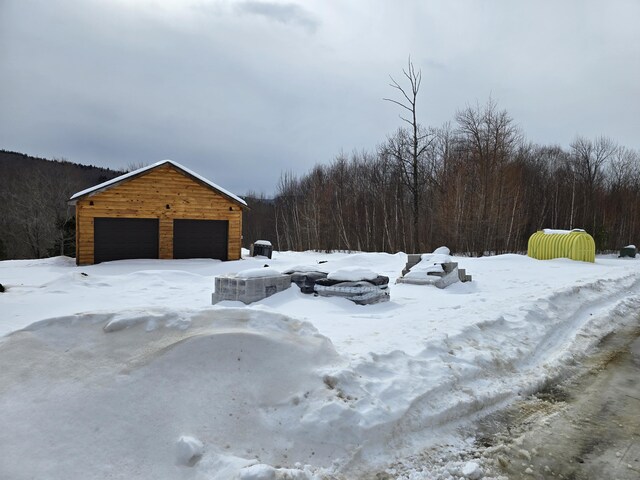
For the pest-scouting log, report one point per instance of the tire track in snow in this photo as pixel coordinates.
(490, 364)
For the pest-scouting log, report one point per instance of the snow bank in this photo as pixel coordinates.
(237, 380)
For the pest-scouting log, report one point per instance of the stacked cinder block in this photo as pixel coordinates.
(248, 290)
(463, 276)
(450, 274)
(442, 279)
(412, 260)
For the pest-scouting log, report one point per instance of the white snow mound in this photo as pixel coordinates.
(233, 379)
(188, 450)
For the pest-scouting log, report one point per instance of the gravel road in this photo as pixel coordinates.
(585, 428)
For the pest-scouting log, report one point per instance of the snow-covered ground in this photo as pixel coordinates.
(125, 370)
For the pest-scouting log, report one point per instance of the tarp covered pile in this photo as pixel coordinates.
(359, 285)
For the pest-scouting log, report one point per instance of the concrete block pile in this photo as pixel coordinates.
(433, 269)
(249, 286)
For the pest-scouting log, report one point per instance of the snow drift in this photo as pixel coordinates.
(161, 395)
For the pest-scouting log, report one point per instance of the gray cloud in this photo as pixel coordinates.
(239, 99)
(286, 13)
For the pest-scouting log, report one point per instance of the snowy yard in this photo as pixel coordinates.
(125, 370)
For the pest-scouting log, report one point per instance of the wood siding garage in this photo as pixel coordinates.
(191, 217)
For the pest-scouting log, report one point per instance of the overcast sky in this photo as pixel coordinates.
(240, 91)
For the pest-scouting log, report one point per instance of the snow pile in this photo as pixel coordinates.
(237, 380)
(442, 251)
(472, 471)
(189, 451)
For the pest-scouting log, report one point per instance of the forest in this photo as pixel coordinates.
(474, 184)
(36, 220)
(478, 186)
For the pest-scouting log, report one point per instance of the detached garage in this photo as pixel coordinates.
(160, 211)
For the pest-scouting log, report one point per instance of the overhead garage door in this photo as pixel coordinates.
(123, 238)
(200, 239)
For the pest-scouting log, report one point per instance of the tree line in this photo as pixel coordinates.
(474, 184)
(36, 220)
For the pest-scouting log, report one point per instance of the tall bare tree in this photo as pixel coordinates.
(408, 146)
(489, 138)
(589, 160)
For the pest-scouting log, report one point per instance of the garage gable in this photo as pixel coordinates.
(127, 177)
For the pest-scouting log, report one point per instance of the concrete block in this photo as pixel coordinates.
(449, 267)
(248, 290)
(448, 278)
(462, 275)
(438, 279)
(412, 260)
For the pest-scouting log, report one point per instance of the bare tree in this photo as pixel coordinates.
(589, 161)
(589, 158)
(490, 138)
(416, 139)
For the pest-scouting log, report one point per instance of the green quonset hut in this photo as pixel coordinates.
(575, 244)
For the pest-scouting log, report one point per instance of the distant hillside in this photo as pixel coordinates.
(36, 220)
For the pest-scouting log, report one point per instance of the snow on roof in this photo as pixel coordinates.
(119, 179)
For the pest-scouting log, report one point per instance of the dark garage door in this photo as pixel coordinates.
(200, 239)
(123, 238)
